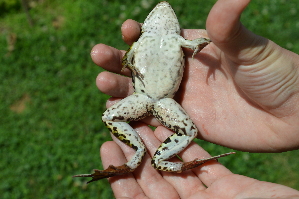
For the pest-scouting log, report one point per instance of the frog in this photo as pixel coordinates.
(156, 62)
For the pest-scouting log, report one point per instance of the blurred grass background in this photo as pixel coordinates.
(50, 108)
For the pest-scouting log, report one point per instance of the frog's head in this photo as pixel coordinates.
(162, 19)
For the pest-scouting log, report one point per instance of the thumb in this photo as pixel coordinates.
(228, 34)
(265, 72)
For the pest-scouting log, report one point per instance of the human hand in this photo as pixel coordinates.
(241, 91)
(212, 180)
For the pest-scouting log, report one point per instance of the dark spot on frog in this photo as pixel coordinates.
(118, 118)
(167, 140)
(165, 148)
(134, 147)
(179, 134)
(179, 131)
(165, 95)
(157, 153)
(184, 123)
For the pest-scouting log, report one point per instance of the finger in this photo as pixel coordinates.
(125, 185)
(108, 58)
(224, 19)
(191, 34)
(149, 179)
(114, 85)
(130, 31)
(208, 172)
(227, 32)
(263, 70)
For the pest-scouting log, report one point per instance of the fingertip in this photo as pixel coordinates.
(104, 82)
(130, 31)
(229, 35)
(107, 57)
(101, 54)
(223, 21)
(114, 85)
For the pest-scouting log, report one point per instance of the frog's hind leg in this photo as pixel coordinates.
(132, 108)
(173, 116)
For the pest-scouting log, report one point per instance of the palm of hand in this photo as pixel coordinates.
(212, 94)
(219, 108)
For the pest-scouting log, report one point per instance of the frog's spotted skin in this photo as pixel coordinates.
(157, 63)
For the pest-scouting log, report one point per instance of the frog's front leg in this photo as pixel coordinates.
(197, 44)
(128, 61)
(133, 107)
(173, 116)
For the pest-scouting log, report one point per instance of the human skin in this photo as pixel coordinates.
(246, 98)
(246, 86)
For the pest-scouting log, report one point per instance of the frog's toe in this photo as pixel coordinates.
(109, 172)
(197, 162)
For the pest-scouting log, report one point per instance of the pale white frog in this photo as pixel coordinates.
(157, 63)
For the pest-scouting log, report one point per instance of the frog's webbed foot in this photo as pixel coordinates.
(135, 72)
(132, 68)
(109, 172)
(200, 44)
(197, 162)
(197, 44)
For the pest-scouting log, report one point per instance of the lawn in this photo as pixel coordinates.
(50, 127)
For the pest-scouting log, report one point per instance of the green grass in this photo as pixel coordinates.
(50, 127)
